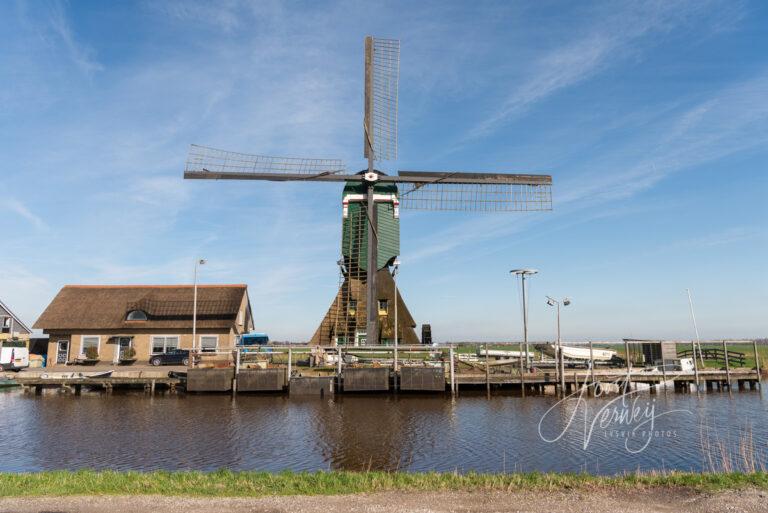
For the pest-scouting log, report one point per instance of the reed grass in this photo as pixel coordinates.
(225, 483)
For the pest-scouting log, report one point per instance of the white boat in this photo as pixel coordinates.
(501, 353)
(76, 375)
(579, 353)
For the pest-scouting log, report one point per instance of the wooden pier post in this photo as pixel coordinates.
(338, 364)
(152, 388)
(234, 377)
(664, 372)
(453, 377)
(757, 363)
(629, 366)
(290, 363)
(522, 374)
(487, 372)
(592, 369)
(727, 365)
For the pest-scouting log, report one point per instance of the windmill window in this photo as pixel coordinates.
(352, 308)
(383, 306)
(137, 315)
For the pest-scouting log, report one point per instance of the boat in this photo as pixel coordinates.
(5, 382)
(76, 375)
(579, 353)
(502, 353)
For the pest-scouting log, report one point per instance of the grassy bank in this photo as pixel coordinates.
(254, 484)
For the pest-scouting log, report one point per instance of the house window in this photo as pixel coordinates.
(209, 342)
(383, 306)
(89, 341)
(136, 315)
(164, 344)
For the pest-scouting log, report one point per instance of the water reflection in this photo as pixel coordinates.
(412, 432)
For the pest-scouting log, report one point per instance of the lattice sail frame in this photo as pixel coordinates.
(382, 94)
(475, 197)
(203, 159)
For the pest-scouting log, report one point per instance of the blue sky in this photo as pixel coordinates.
(652, 118)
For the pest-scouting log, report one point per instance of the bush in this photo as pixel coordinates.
(91, 353)
(129, 353)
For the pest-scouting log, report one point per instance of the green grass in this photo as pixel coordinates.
(225, 483)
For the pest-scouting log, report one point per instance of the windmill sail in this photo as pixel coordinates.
(474, 192)
(382, 73)
(211, 163)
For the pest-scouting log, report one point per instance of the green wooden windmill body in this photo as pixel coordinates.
(354, 243)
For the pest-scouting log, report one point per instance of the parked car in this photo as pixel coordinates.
(173, 357)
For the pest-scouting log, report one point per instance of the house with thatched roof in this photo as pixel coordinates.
(150, 319)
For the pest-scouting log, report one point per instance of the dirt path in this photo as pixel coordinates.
(607, 501)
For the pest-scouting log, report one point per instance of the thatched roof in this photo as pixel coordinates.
(95, 307)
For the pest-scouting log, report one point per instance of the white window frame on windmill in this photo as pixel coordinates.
(381, 198)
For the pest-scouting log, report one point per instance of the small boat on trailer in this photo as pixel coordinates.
(580, 353)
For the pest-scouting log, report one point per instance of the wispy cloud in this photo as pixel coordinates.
(732, 120)
(612, 37)
(82, 55)
(22, 210)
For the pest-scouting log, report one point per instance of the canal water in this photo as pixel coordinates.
(407, 432)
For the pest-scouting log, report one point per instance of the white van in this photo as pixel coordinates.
(14, 355)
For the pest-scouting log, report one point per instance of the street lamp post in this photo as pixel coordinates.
(560, 360)
(198, 262)
(523, 273)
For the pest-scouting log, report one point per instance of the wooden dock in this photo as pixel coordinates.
(382, 380)
(306, 370)
(149, 381)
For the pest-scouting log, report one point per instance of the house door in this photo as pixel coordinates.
(63, 352)
(123, 343)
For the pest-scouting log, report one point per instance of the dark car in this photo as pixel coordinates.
(173, 357)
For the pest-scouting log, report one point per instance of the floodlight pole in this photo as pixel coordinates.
(198, 261)
(523, 273)
(560, 360)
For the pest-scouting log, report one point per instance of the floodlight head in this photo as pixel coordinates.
(566, 301)
(550, 302)
(202, 261)
(524, 272)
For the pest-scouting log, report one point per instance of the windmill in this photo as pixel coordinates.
(372, 200)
